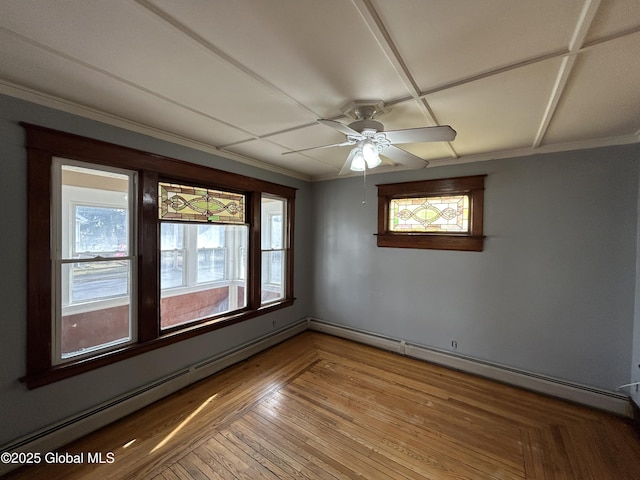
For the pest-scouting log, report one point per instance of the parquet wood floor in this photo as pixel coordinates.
(319, 407)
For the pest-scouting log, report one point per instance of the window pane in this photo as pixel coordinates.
(99, 314)
(171, 255)
(446, 214)
(272, 227)
(213, 272)
(171, 271)
(211, 253)
(273, 248)
(92, 281)
(185, 203)
(272, 287)
(100, 230)
(95, 262)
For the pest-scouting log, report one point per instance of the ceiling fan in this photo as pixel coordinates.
(370, 140)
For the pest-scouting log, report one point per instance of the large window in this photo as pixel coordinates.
(130, 251)
(442, 214)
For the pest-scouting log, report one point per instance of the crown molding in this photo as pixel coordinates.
(74, 108)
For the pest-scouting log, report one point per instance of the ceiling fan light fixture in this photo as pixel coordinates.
(365, 155)
(358, 163)
(370, 154)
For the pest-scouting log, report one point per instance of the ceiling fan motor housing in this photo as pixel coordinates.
(364, 109)
(366, 124)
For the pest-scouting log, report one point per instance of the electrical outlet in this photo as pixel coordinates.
(454, 344)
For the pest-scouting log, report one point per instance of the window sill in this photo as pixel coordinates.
(76, 367)
(466, 243)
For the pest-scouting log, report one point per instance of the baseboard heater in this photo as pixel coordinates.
(592, 397)
(70, 429)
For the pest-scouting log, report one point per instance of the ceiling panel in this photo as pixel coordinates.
(601, 97)
(23, 63)
(429, 151)
(313, 135)
(273, 154)
(501, 112)
(134, 46)
(408, 114)
(614, 16)
(320, 53)
(443, 41)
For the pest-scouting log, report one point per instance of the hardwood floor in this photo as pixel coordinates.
(320, 407)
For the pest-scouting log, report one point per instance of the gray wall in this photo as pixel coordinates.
(635, 358)
(552, 293)
(24, 411)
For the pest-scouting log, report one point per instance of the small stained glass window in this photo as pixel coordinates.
(196, 204)
(438, 214)
(446, 214)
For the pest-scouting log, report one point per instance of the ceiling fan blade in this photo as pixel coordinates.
(405, 158)
(341, 127)
(346, 168)
(343, 144)
(425, 134)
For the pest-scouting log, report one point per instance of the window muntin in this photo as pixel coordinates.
(94, 269)
(441, 214)
(273, 240)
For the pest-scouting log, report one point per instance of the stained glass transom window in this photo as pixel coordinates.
(445, 214)
(195, 204)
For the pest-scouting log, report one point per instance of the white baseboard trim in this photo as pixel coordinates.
(70, 429)
(592, 397)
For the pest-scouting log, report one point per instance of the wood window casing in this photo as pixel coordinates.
(473, 240)
(43, 144)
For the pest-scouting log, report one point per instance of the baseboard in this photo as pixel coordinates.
(592, 397)
(68, 430)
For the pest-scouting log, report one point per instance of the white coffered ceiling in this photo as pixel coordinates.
(249, 78)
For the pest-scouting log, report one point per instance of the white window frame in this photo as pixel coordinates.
(233, 266)
(59, 247)
(267, 232)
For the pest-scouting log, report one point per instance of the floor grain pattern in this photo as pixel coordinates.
(319, 407)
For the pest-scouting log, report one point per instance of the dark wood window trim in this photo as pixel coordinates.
(472, 241)
(43, 144)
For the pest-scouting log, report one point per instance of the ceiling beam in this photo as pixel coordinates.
(583, 25)
(377, 28)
